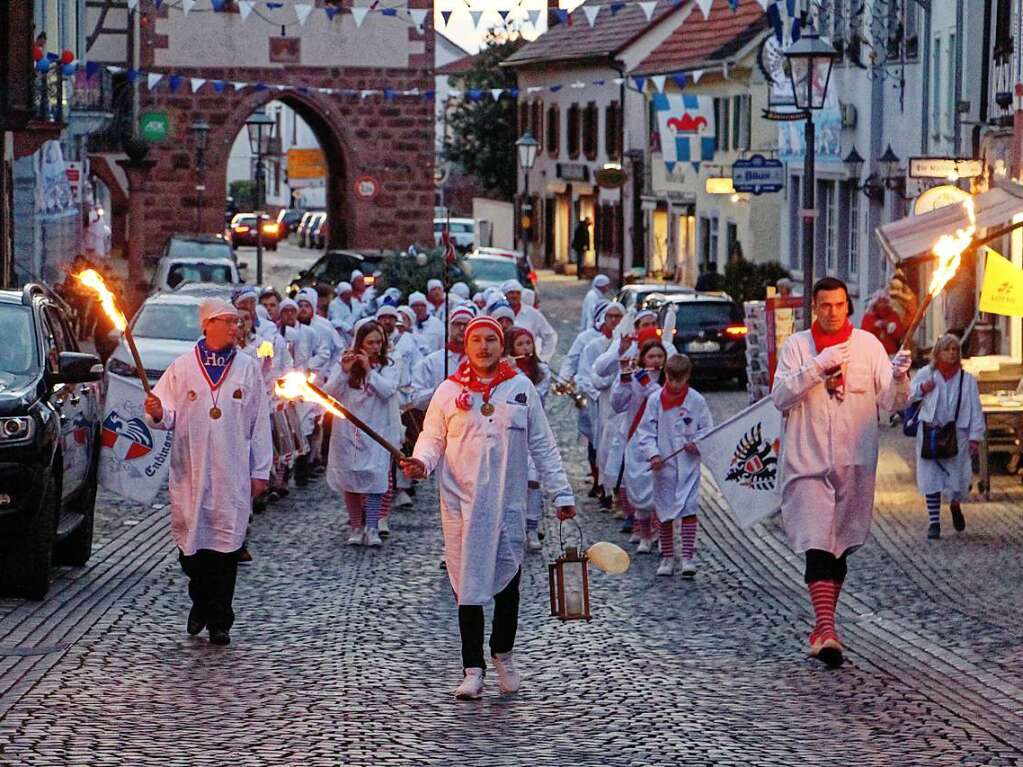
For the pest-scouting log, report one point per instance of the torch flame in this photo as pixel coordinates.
(294, 385)
(949, 250)
(92, 279)
(266, 349)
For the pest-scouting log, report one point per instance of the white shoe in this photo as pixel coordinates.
(688, 568)
(533, 541)
(634, 538)
(373, 538)
(384, 527)
(508, 678)
(471, 687)
(645, 544)
(355, 539)
(402, 499)
(667, 566)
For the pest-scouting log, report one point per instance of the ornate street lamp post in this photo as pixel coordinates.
(810, 61)
(261, 130)
(527, 146)
(200, 131)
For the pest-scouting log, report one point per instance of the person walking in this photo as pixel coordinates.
(215, 401)
(947, 395)
(482, 425)
(531, 319)
(830, 383)
(581, 244)
(597, 293)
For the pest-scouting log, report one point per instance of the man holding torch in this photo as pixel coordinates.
(216, 402)
(830, 382)
(482, 425)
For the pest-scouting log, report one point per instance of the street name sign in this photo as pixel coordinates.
(758, 175)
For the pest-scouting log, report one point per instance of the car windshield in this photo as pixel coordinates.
(244, 221)
(461, 228)
(179, 322)
(697, 315)
(198, 249)
(18, 350)
(218, 273)
(492, 269)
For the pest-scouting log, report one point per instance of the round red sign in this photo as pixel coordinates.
(367, 187)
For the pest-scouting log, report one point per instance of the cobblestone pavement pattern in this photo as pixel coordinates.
(347, 656)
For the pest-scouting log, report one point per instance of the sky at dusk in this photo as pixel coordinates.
(460, 25)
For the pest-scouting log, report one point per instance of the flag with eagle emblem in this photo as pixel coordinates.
(743, 455)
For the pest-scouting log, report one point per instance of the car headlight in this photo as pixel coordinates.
(17, 429)
(119, 368)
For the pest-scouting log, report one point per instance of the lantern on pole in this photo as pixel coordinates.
(569, 583)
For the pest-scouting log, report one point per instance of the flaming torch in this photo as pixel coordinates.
(91, 279)
(295, 384)
(949, 250)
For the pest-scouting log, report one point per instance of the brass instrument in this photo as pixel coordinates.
(567, 389)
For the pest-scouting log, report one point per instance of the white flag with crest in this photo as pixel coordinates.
(743, 455)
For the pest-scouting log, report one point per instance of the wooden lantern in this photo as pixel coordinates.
(570, 586)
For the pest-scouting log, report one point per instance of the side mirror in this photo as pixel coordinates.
(78, 367)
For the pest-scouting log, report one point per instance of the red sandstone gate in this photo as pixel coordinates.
(386, 137)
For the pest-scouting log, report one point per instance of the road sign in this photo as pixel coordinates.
(367, 187)
(758, 175)
(154, 127)
(306, 167)
(945, 167)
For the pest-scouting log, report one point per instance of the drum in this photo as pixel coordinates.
(295, 425)
(284, 445)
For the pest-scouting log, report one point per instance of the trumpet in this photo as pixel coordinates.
(565, 388)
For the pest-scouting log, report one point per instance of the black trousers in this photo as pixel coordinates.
(502, 633)
(825, 566)
(211, 579)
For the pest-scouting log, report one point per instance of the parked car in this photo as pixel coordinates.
(307, 226)
(165, 327)
(170, 273)
(197, 245)
(463, 232)
(243, 231)
(50, 414)
(489, 267)
(709, 328)
(319, 233)
(288, 219)
(336, 266)
(635, 295)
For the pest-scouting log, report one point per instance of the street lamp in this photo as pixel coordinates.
(810, 61)
(261, 130)
(527, 146)
(200, 130)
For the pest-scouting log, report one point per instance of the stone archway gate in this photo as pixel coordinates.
(322, 69)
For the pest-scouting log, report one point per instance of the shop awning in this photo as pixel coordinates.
(913, 236)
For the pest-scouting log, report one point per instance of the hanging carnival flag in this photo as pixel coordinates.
(133, 4)
(245, 8)
(331, 12)
(591, 12)
(359, 14)
(239, 86)
(174, 82)
(680, 79)
(639, 82)
(615, 7)
(496, 93)
(445, 17)
(686, 124)
(697, 74)
(152, 80)
(133, 459)
(418, 17)
(302, 12)
(1002, 290)
(743, 455)
(534, 17)
(476, 16)
(197, 83)
(503, 14)
(705, 6)
(658, 81)
(186, 6)
(648, 8)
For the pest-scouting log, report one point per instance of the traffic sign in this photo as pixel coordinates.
(758, 175)
(367, 187)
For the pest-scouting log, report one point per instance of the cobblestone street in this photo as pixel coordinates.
(348, 656)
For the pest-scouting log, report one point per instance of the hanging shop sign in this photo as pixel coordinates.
(945, 167)
(758, 175)
(366, 187)
(573, 171)
(610, 177)
(938, 197)
(154, 127)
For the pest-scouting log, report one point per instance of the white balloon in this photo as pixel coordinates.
(609, 557)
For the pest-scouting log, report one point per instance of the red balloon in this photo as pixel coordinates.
(38, 53)
(66, 56)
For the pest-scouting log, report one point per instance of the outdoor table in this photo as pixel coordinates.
(1002, 409)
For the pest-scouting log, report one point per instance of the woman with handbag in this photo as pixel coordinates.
(951, 428)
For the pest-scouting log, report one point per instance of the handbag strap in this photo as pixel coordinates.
(959, 396)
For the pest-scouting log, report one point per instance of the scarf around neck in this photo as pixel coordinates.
(669, 400)
(822, 340)
(466, 377)
(948, 371)
(214, 362)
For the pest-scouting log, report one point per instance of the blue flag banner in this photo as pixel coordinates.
(686, 125)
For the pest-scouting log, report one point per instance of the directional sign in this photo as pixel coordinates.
(758, 175)
(945, 167)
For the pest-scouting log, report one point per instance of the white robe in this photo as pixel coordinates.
(593, 297)
(569, 372)
(429, 373)
(210, 488)
(830, 447)
(677, 483)
(481, 466)
(402, 348)
(430, 336)
(330, 338)
(343, 317)
(951, 476)
(544, 336)
(596, 388)
(356, 463)
(627, 398)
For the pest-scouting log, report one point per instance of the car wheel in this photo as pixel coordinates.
(25, 565)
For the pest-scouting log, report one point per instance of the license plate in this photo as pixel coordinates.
(703, 346)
